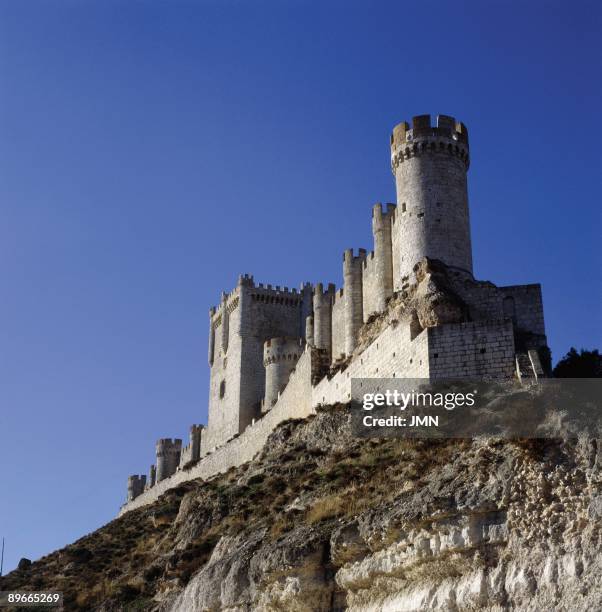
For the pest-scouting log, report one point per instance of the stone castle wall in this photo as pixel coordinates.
(393, 354)
(524, 304)
(192, 451)
(476, 349)
(462, 328)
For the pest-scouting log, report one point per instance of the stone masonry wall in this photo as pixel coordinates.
(528, 307)
(224, 375)
(479, 349)
(393, 354)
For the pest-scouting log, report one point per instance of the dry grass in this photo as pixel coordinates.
(343, 503)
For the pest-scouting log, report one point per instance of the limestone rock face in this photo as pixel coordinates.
(322, 521)
(496, 526)
(435, 301)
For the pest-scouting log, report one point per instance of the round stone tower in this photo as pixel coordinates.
(136, 486)
(280, 356)
(353, 304)
(322, 303)
(431, 219)
(168, 457)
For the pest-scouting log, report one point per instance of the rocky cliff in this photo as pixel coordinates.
(324, 521)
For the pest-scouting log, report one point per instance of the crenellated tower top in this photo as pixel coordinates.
(448, 136)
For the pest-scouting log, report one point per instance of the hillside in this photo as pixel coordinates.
(323, 521)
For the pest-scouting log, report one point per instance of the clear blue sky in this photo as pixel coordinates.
(152, 151)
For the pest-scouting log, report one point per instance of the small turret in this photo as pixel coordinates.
(382, 222)
(246, 280)
(152, 476)
(168, 457)
(354, 317)
(323, 316)
(136, 484)
(280, 356)
(195, 436)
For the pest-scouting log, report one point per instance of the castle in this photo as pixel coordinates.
(410, 308)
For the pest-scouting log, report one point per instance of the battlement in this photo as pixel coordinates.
(168, 445)
(169, 441)
(136, 478)
(349, 259)
(369, 262)
(339, 294)
(272, 294)
(378, 214)
(448, 136)
(192, 451)
(136, 485)
(281, 349)
(277, 295)
(225, 303)
(319, 290)
(246, 280)
(447, 127)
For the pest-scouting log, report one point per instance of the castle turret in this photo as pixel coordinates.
(430, 165)
(168, 457)
(195, 437)
(352, 275)
(309, 330)
(136, 486)
(323, 316)
(383, 254)
(192, 451)
(152, 476)
(280, 356)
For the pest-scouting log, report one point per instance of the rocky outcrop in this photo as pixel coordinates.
(324, 521)
(429, 302)
(432, 296)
